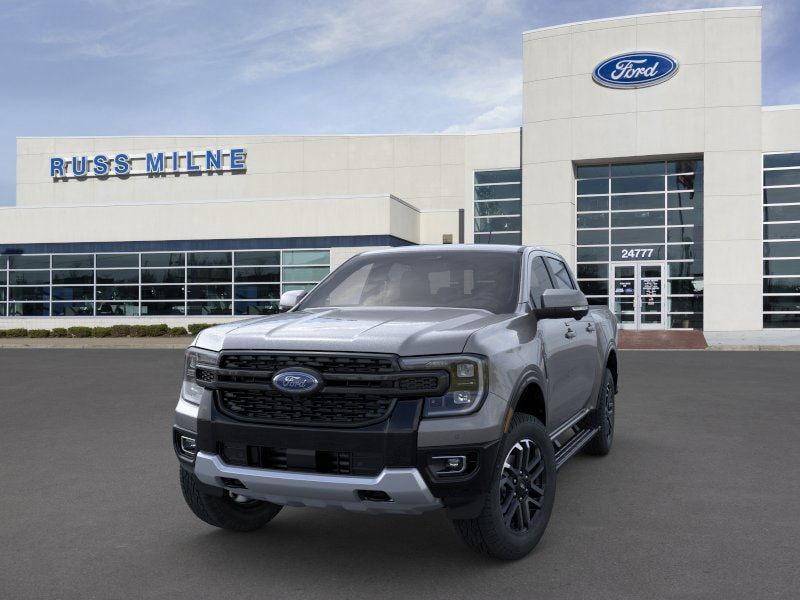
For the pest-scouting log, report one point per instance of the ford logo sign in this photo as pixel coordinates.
(635, 70)
(294, 381)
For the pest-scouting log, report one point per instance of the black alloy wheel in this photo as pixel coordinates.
(522, 486)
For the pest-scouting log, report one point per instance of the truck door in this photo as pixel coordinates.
(577, 355)
(556, 344)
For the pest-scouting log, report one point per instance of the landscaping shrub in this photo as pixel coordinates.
(16, 332)
(157, 330)
(120, 330)
(103, 332)
(138, 330)
(195, 328)
(80, 332)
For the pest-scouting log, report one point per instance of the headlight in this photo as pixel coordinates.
(195, 357)
(468, 382)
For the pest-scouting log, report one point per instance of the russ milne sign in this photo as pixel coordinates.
(152, 163)
(635, 70)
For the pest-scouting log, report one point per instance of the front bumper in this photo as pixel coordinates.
(404, 489)
(402, 462)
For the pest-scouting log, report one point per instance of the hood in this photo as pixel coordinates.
(402, 331)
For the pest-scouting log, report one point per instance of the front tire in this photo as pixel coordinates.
(228, 511)
(517, 508)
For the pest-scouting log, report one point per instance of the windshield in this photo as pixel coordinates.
(470, 279)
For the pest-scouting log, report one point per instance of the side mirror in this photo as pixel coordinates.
(562, 304)
(290, 299)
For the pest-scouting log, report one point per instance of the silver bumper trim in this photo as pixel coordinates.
(407, 489)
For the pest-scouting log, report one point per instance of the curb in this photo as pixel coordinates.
(755, 347)
(100, 343)
(721, 348)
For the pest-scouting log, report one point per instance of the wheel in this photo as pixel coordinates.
(229, 511)
(603, 418)
(518, 506)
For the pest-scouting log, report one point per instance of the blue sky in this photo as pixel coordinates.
(151, 67)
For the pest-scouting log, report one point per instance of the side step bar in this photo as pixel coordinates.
(575, 443)
(572, 422)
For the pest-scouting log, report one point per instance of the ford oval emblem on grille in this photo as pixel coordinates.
(295, 381)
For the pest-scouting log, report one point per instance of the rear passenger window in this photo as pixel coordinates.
(561, 277)
(540, 280)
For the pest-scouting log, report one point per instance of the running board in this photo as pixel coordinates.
(575, 443)
(569, 424)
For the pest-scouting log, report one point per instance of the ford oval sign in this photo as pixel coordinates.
(294, 382)
(635, 70)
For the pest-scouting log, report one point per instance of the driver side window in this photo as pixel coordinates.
(540, 280)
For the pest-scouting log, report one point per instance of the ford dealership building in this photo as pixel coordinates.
(645, 157)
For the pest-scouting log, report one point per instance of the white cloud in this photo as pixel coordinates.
(497, 117)
(336, 34)
(485, 83)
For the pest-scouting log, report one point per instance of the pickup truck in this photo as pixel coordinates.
(410, 379)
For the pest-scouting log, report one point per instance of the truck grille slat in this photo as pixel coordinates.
(330, 409)
(322, 363)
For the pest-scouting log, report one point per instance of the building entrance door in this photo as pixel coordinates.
(637, 294)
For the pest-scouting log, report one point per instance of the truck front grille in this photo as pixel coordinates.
(267, 406)
(357, 389)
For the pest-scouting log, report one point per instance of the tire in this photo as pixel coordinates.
(492, 532)
(226, 511)
(602, 417)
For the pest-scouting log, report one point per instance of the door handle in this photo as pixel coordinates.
(570, 333)
(590, 327)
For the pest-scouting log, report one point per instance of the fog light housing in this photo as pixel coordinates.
(188, 446)
(448, 465)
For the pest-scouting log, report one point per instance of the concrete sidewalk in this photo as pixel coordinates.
(765, 339)
(104, 343)
(688, 339)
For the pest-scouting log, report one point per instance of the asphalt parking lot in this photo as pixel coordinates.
(699, 498)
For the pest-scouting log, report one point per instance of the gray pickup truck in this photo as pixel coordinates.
(408, 380)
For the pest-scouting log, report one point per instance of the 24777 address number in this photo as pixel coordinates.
(637, 252)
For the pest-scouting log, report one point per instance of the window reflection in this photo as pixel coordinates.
(156, 283)
(653, 211)
(498, 207)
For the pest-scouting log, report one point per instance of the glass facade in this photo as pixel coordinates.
(207, 283)
(646, 212)
(498, 207)
(781, 281)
